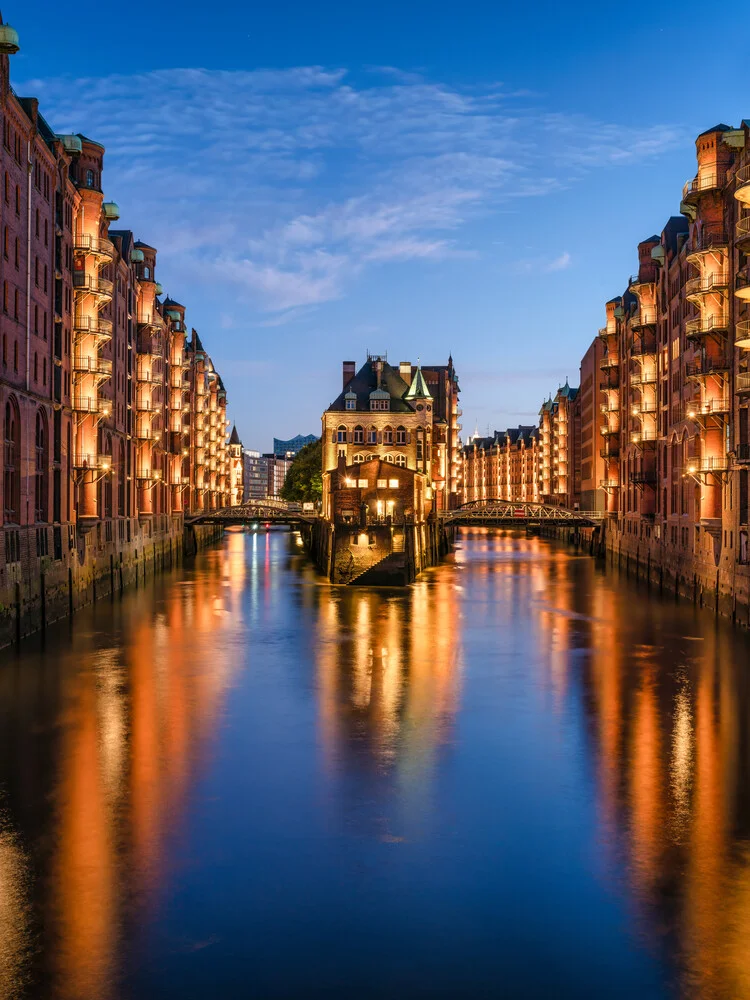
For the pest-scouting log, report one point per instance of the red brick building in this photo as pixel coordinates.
(103, 400)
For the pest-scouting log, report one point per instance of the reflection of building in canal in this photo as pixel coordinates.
(122, 730)
(667, 696)
(388, 669)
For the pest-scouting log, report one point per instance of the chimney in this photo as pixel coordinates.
(404, 370)
(349, 371)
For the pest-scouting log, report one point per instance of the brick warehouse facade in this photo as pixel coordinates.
(669, 460)
(113, 418)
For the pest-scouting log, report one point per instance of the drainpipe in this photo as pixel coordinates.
(29, 167)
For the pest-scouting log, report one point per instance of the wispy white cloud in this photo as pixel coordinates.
(544, 265)
(282, 186)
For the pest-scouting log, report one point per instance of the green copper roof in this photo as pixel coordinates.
(418, 388)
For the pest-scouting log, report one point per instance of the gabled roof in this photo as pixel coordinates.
(717, 128)
(366, 380)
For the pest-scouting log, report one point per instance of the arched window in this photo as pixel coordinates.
(389, 458)
(401, 460)
(146, 272)
(40, 468)
(372, 435)
(11, 459)
(89, 178)
(387, 435)
(359, 434)
(359, 458)
(341, 434)
(400, 435)
(121, 482)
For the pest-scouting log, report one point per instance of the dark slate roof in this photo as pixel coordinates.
(172, 302)
(365, 382)
(717, 128)
(652, 239)
(234, 438)
(144, 246)
(195, 343)
(85, 138)
(676, 226)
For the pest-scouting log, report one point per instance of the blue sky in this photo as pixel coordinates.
(322, 179)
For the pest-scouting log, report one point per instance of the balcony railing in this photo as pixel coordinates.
(647, 377)
(705, 284)
(92, 325)
(90, 404)
(92, 364)
(648, 406)
(742, 383)
(742, 333)
(717, 463)
(707, 366)
(91, 461)
(643, 478)
(643, 317)
(707, 241)
(605, 430)
(93, 245)
(148, 475)
(702, 183)
(612, 451)
(87, 284)
(609, 361)
(742, 286)
(742, 230)
(708, 407)
(635, 281)
(715, 323)
(149, 376)
(641, 350)
(609, 484)
(644, 437)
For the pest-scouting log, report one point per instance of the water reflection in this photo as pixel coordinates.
(549, 754)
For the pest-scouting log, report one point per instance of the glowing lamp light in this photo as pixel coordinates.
(692, 469)
(157, 474)
(350, 482)
(106, 463)
(691, 414)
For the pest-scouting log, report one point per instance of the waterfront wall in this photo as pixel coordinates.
(36, 590)
(377, 554)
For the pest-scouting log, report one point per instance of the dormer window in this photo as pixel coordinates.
(351, 404)
(350, 400)
(380, 400)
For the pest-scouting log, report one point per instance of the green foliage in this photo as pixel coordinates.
(304, 481)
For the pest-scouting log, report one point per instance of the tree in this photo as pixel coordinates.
(304, 480)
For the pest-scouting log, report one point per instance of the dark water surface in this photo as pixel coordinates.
(523, 777)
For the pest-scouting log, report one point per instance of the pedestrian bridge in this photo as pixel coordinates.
(506, 513)
(267, 511)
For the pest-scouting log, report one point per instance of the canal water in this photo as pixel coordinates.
(522, 777)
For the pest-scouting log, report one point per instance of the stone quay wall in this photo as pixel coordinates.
(38, 589)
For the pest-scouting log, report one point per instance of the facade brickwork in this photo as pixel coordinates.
(112, 419)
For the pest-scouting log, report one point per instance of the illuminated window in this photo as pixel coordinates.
(372, 436)
(401, 460)
(359, 458)
(387, 435)
(382, 484)
(341, 435)
(393, 484)
(400, 435)
(359, 434)
(362, 484)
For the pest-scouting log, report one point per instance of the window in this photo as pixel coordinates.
(372, 436)
(382, 484)
(362, 484)
(40, 470)
(393, 484)
(359, 434)
(89, 178)
(387, 435)
(341, 435)
(146, 273)
(359, 458)
(11, 456)
(401, 460)
(351, 404)
(400, 435)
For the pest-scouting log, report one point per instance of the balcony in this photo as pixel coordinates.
(604, 333)
(148, 376)
(610, 379)
(93, 326)
(742, 334)
(742, 190)
(742, 384)
(706, 241)
(94, 461)
(611, 451)
(91, 404)
(701, 367)
(717, 463)
(705, 285)
(647, 406)
(644, 438)
(93, 245)
(636, 283)
(742, 287)
(647, 377)
(145, 476)
(643, 317)
(703, 326)
(146, 434)
(87, 284)
(151, 346)
(643, 478)
(742, 231)
(698, 410)
(609, 361)
(609, 484)
(643, 351)
(92, 364)
(606, 408)
(703, 183)
(605, 430)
